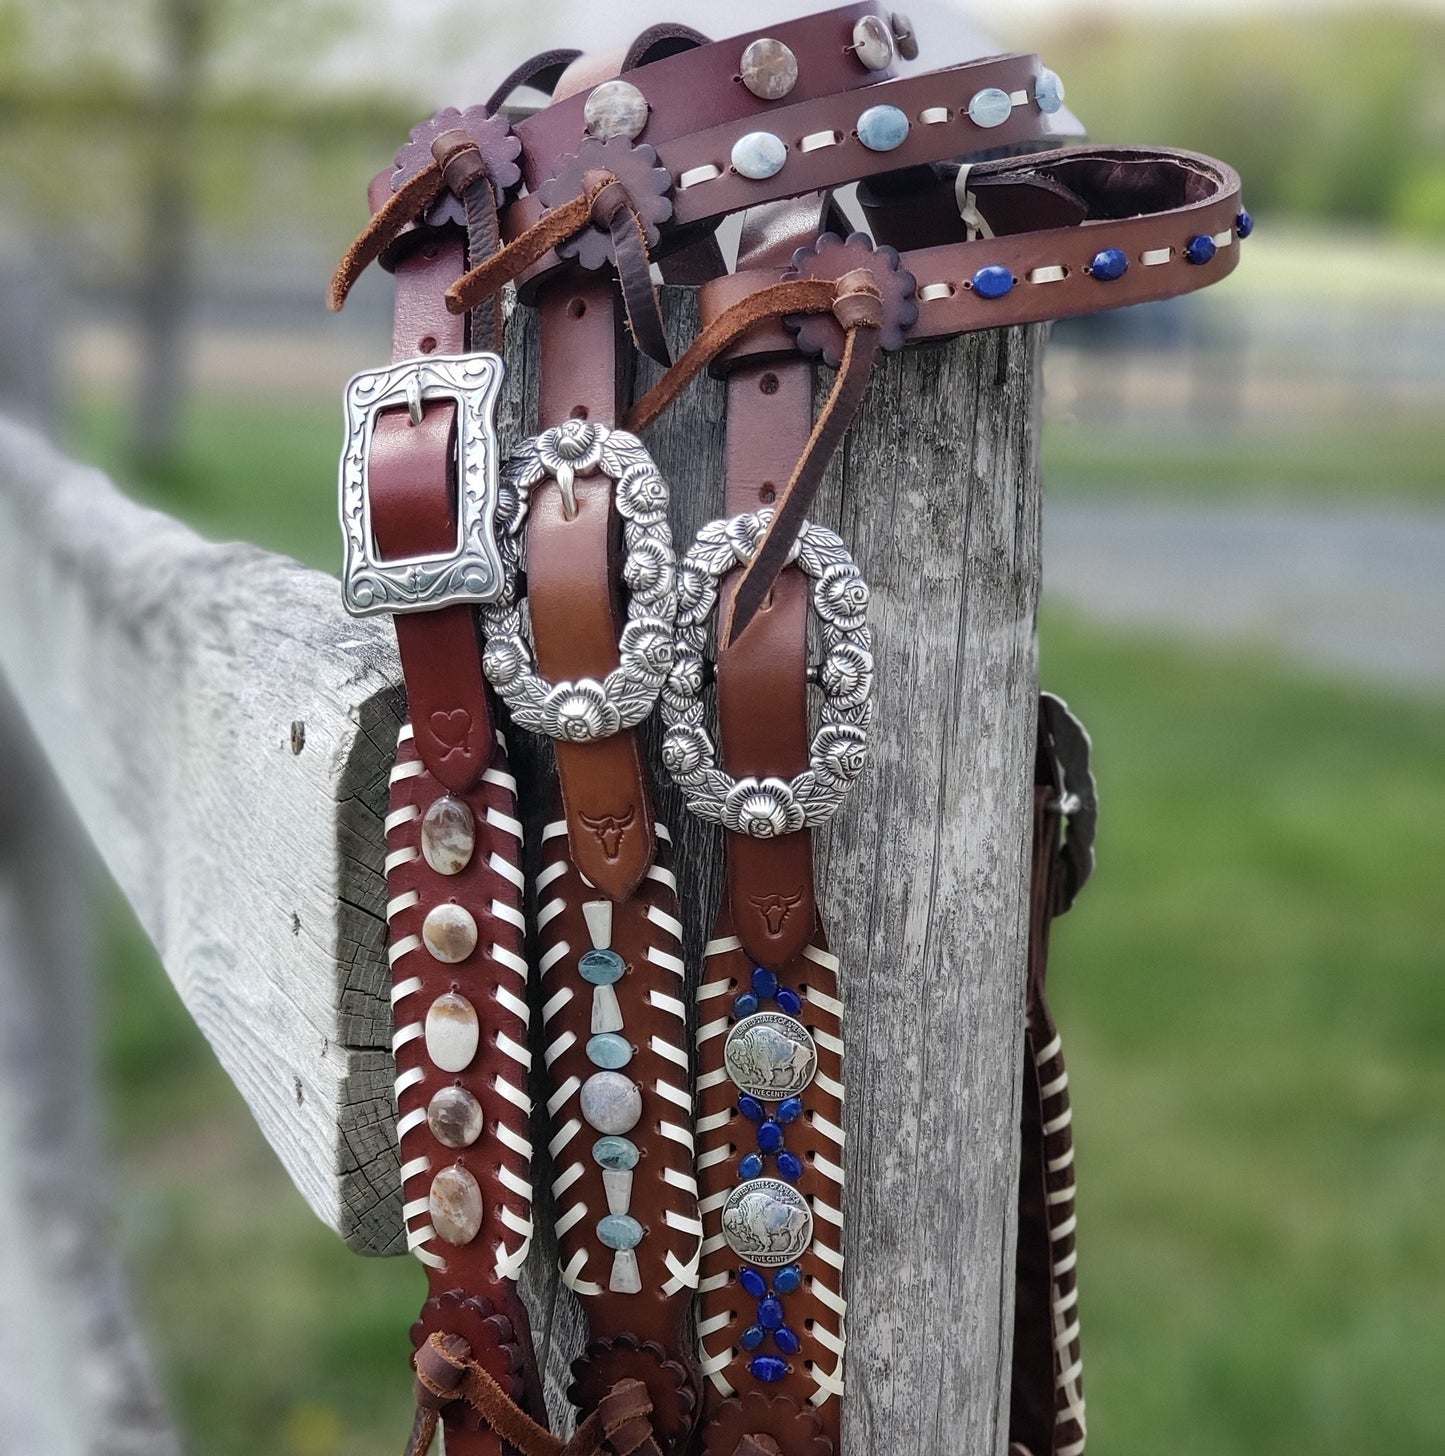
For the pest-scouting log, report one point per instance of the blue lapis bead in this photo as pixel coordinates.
(751, 1166)
(883, 128)
(751, 1108)
(770, 1136)
(770, 1312)
(752, 1282)
(601, 967)
(765, 983)
(745, 1005)
(790, 1109)
(993, 281)
(752, 1337)
(786, 1340)
(619, 1231)
(768, 1368)
(609, 1050)
(1199, 249)
(785, 1281)
(1109, 264)
(790, 1165)
(1244, 224)
(789, 1001)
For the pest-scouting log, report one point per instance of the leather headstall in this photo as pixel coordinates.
(695, 1152)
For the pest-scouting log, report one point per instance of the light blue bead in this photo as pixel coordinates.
(601, 967)
(759, 155)
(619, 1231)
(609, 1050)
(882, 128)
(990, 107)
(1049, 92)
(617, 1154)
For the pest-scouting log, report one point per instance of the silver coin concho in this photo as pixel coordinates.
(767, 1222)
(770, 1056)
(585, 709)
(766, 807)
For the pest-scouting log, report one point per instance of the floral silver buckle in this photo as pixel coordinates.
(472, 572)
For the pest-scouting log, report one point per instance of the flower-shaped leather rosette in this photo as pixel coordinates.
(624, 1357)
(647, 185)
(495, 140)
(490, 1337)
(778, 1420)
(830, 257)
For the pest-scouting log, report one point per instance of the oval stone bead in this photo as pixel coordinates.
(790, 1165)
(786, 1340)
(455, 1117)
(882, 128)
(601, 967)
(449, 933)
(452, 1032)
(770, 1312)
(993, 282)
(768, 1368)
(448, 835)
(615, 108)
(619, 1231)
(611, 1103)
(752, 1282)
(873, 42)
(455, 1205)
(990, 107)
(785, 1281)
(1049, 92)
(1200, 249)
(1109, 264)
(769, 69)
(617, 1154)
(759, 155)
(752, 1337)
(751, 1166)
(609, 1050)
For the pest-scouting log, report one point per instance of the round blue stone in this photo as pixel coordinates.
(759, 155)
(993, 281)
(751, 1166)
(882, 128)
(1244, 224)
(789, 1001)
(751, 1108)
(619, 1231)
(786, 1340)
(790, 1109)
(790, 1165)
(745, 1005)
(770, 1312)
(752, 1337)
(1048, 92)
(768, 1368)
(619, 1154)
(990, 107)
(609, 1050)
(770, 1136)
(1109, 264)
(765, 983)
(1200, 249)
(752, 1282)
(601, 967)
(785, 1281)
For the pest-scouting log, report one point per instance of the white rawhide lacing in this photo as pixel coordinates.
(584, 708)
(766, 807)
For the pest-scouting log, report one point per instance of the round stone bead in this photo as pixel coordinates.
(455, 1117)
(873, 42)
(752, 1337)
(770, 1312)
(751, 1166)
(768, 1368)
(768, 69)
(1244, 224)
(789, 1001)
(745, 1005)
(904, 36)
(601, 967)
(609, 1050)
(611, 1102)
(883, 128)
(452, 1032)
(753, 1283)
(750, 1108)
(449, 932)
(759, 155)
(616, 1154)
(990, 107)
(1199, 249)
(619, 1231)
(993, 281)
(615, 108)
(789, 1280)
(770, 1136)
(448, 835)
(1109, 264)
(1049, 92)
(786, 1340)
(790, 1109)
(765, 983)
(790, 1165)
(455, 1205)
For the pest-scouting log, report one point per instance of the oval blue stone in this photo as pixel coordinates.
(745, 1005)
(601, 967)
(619, 1231)
(770, 1136)
(993, 281)
(789, 1001)
(790, 1109)
(1109, 264)
(786, 1340)
(750, 1108)
(609, 1050)
(759, 155)
(1048, 92)
(765, 983)
(752, 1282)
(1244, 224)
(751, 1166)
(882, 128)
(790, 1165)
(1200, 249)
(619, 1154)
(785, 1281)
(770, 1312)
(990, 107)
(752, 1337)
(768, 1368)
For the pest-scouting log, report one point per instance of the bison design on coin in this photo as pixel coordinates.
(767, 1222)
(770, 1056)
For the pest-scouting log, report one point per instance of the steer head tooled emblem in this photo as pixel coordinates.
(775, 908)
(609, 829)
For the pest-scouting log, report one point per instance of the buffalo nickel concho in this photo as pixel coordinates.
(770, 1056)
(767, 1222)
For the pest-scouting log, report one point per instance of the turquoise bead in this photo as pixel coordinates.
(609, 1050)
(759, 155)
(882, 128)
(601, 967)
(1049, 92)
(990, 107)
(619, 1231)
(617, 1154)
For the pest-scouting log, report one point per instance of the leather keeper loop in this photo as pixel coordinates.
(461, 159)
(441, 1369)
(859, 304)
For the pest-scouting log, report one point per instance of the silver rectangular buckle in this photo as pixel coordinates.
(472, 572)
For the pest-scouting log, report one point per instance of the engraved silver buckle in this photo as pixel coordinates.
(472, 572)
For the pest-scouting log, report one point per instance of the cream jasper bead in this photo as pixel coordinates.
(448, 835)
(452, 1032)
(449, 932)
(455, 1205)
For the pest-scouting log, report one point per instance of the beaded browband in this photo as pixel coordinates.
(699, 1204)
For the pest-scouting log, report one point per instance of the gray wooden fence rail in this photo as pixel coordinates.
(223, 731)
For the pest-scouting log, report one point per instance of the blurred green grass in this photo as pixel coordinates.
(1251, 999)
